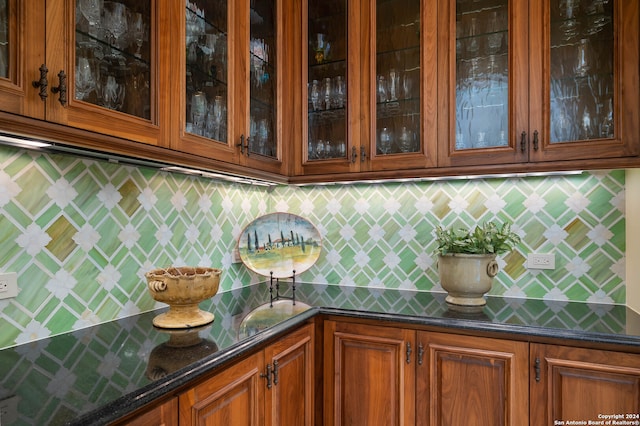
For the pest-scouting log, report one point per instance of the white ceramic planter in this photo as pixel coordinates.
(467, 277)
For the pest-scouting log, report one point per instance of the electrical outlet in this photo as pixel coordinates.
(9, 410)
(541, 261)
(8, 285)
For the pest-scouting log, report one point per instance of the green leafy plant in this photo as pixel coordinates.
(486, 239)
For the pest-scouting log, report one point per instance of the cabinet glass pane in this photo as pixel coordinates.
(4, 39)
(263, 53)
(113, 54)
(482, 71)
(206, 69)
(397, 76)
(582, 46)
(327, 79)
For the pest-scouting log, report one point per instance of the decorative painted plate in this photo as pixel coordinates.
(280, 243)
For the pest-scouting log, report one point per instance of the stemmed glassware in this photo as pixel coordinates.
(115, 25)
(90, 10)
(218, 116)
(494, 39)
(137, 30)
(327, 92)
(385, 141)
(339, 92)
(198, 112)
(85, 80)
(112, 94)
(315, 95)
(568, 12)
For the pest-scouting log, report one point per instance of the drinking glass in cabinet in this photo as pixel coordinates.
(137, 29)
(115, 25)
(113, 55)
(385, 141)
(314, 94)
(321, 47)
(4, 38)
(91, 10)
(85, 79)
(113, 93)
(198, 113)
(339, 92)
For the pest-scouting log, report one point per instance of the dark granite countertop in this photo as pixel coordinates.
(99, 374)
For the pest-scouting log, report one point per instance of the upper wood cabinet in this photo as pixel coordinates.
(536, 81)
(369, 94)
(228, 81)
(87, 64)
(583, 385)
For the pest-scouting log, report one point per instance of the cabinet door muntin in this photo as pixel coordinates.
(113, 55)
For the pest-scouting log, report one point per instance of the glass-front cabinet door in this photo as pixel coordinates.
(483, 62)
(104, 62)
(538, 81)
(22, 52)
(263, 79)
(369, 65)
(228, 59)
(113, 66)
(588, 66)
(402, 130)
(330, 82)
(87, 64)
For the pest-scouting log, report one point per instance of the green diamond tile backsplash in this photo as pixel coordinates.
(81, 234)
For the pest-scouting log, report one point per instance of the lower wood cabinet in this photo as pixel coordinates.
(271, 387)
(379, 374)
(369, 375)
(575, 384)
(471, 381)
(162, 414)
(376, 375)
(385, 375)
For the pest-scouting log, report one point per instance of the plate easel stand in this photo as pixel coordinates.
(277, 289)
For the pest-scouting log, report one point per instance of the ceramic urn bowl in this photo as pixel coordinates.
(183, 288)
